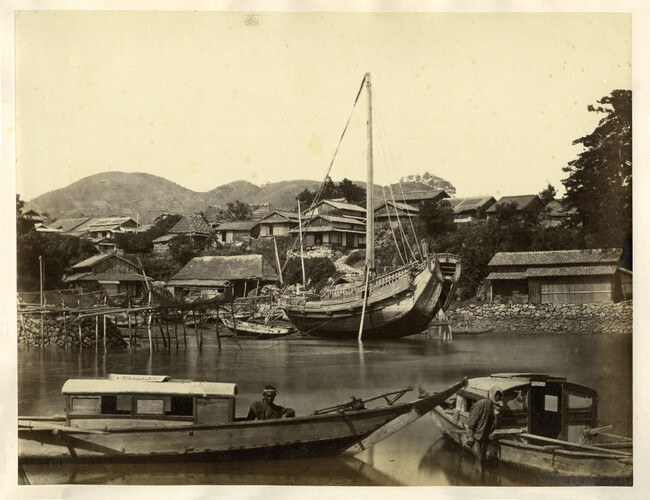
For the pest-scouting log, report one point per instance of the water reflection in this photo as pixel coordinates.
(312, 373)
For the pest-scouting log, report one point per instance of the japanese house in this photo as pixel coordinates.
(561, 276)
(162, 243)
(470, 210)
(525, 206)
(390, 214)
(237, 232)
(208, 276)
(418, 198)
(112, 273)
(192, 225)
(278, 223)
(333, 231)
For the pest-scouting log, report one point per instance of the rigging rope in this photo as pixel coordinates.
(320, 188)
(390, 188)
(390, 223)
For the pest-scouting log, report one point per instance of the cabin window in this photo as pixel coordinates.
(116, 405)
(149, 407)
(85, 405)
(579, 401)
(180, 405)
(550, 403)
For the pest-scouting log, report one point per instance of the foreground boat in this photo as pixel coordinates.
(546, 425)
(257, 330)
(392, 305)
(133, 417)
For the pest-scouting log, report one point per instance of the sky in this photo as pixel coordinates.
(490, 102)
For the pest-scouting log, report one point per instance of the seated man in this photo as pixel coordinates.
(265, 409)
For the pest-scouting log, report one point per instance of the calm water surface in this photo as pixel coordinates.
(311, 374)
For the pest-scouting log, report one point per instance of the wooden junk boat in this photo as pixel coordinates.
(140, 417)
(546, 425)
(392, 305)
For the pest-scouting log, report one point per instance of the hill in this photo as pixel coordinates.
(145, 196)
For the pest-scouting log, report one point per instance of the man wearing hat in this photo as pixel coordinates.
(481, 422)
(265, 409)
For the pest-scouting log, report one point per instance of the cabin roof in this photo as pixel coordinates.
(66, 225)
(432, 194)
(461, 205)
(147, 384)
(505, 381)
(165, 238)
(341, 205)
(245, 225)
(543, 272)
(91, 261)
(402, 206)
(521, 202)
(191, 223)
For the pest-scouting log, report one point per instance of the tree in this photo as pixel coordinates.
(305, 197)
(599, 185)
(238, 210)
(352, 192)
(548, 194)
(432, 181)
(437, 217)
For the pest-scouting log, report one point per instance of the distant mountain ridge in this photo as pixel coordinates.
(145, 196)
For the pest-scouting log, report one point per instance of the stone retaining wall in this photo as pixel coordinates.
(540, 318)
(56, 332)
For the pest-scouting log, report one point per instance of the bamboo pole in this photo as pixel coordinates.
(162, 333)
(149, 333)
(183, 316)
(80, 342)
(196, 331)
(176, 328)
(128, 319)
(65, 333)
(104, 320)
(277, 261)
(216, 327)
(96, 331)
(363, 309)
(302, 259)
(234, 322)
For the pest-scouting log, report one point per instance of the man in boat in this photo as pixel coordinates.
(265, 409)
(481, 423)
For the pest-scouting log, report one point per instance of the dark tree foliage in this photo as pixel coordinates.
(59, 252)
(599, 185)
(437, 218)
(238, 210)
(183, 249)
(345, 189)
(265, 247)
(317, 270)
(160, 267)
(547, 194)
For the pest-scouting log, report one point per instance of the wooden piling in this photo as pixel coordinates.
(80, 342)
(183, 316)
(176, 328)
(149, 332)
(65, 333)
(96, 332)
(217, 330)
(104, 318)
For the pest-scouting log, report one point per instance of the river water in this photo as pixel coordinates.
(311, 374)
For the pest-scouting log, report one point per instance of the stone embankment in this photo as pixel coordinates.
(542, 318)
(59, 333)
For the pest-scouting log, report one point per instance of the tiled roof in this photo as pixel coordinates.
(213, 214)
(521, 202)
(191, 223)
(343, 205)
(506, 276)
(422, 195)
(539, 272)
(103, 223)
(280, 216)
(460, 205)
(556, 208)
(197, 282)
(104, 277)
(325, 229)
(400, 206)
(227, 268)
(91, 261)
(554, 257)
(165, 238)
(66, 225)
(245, 225)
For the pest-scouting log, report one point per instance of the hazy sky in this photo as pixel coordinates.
(490, 102)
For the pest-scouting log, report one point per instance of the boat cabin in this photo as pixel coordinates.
(120, 401)
(542, 405)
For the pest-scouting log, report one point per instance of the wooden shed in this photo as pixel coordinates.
(278, 223)
(561, 276)
(237, 232)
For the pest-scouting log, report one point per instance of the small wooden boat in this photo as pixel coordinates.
(546, 425)
(150, 418)
(257, 330)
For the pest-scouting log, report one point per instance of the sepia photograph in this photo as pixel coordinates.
(323, 249)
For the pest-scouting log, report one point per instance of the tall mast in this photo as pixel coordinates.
(370, 213)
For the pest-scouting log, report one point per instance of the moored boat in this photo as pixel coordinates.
(257, 330)
(546, 425)
(396, 304)
(136, 417)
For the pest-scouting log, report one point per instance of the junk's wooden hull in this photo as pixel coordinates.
(556, 460)
(403, 310)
